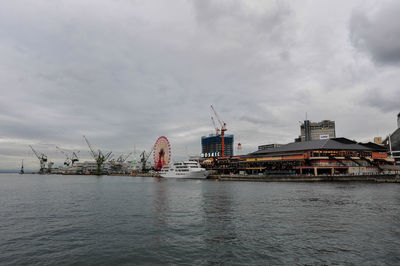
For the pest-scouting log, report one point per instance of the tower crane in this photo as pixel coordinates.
(42, 159)
(223, 129)
(216, 128)
(99, 157)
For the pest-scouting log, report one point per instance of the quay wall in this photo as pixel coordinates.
(387, 178)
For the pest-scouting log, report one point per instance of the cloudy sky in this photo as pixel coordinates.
(124, 72)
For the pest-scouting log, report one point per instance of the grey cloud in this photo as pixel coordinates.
(382, 99)
(213, 12)
(378, 34)
(131, 71)
(236, 25)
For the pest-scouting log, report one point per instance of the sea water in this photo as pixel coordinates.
(121, 220)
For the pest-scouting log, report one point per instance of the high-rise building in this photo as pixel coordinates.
(317, 130)
(211, 145)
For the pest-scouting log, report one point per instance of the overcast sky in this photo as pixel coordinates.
(124, 72)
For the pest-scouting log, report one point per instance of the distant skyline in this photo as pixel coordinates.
(125, 72)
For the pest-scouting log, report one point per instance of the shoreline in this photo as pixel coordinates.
(387, 178)
(372, 178)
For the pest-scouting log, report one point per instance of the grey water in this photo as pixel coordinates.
(121, 220)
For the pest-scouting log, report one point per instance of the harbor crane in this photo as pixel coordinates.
(42, 159)
(70, 160)
(144, 157)
(99, 157)
(122, 158)
(118, 166)
(21, 172)
(222, 129)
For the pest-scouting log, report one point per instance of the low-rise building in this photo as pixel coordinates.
(269, 146)
(315, 157)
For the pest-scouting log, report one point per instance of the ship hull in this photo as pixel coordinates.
(194, 175)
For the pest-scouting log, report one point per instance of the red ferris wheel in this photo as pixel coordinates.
(162, 153)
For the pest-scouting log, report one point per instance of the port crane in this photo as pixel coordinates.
(117, 165)
(99, 157)
(222, 129)
(122, 158)
(42, 159)
(70, 160)
(21, 172)
(144, 157)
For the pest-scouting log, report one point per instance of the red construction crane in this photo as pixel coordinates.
(216, 128)
(223, 129)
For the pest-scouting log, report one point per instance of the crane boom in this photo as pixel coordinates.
(90, 147)
(126, 157)
(75, 155)
(42, 159)
(222, 123)
(223, 129)
(216, 128)
(107, 156)
(35, 152)
(63, 152)
(145, 157)
(70, 159)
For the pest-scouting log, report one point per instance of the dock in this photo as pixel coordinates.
(375, 178)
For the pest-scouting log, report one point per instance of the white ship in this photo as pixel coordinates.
(185, 169)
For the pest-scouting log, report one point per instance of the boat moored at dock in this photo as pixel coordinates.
(185, 169)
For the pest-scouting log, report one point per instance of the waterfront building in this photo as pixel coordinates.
(269, 146)
(392, 142)
(211, 145)
(317, 130)
(314, 157)
(398, 120)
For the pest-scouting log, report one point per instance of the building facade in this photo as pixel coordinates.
(211, 145)
(398, 120)
(316, 157)
(392, 142)
(269, 146)
(317, 130)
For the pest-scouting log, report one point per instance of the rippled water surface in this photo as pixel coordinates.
(109, 220)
